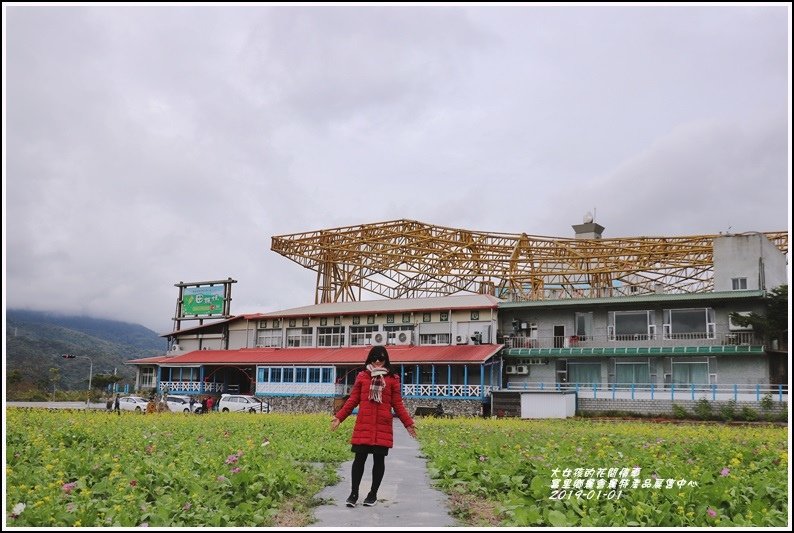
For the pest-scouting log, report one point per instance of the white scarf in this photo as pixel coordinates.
(376, 387)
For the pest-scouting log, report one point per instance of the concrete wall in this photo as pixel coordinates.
(740, 369)
(548, 405)
(307, 404)
(665, 407)
(748, 256)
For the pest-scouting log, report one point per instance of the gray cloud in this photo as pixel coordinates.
(151, 145)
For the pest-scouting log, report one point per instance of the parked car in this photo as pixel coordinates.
(181, 404)
(133, 403)
(241, 403)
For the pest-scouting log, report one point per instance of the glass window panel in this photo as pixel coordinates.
(584, 373)
(631, 323)
(627, 373)
(688, 320)
(688, 373)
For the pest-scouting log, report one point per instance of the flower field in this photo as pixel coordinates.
(588, 473)
(92, 469)
(97, 469)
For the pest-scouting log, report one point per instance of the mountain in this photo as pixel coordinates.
(36, 340)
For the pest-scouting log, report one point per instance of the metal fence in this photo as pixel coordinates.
(651, 391)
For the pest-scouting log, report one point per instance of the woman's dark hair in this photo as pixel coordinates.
(379, 352)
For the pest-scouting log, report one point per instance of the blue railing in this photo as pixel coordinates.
(673, 391)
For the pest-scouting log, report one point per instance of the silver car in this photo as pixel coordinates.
(241, 403)
(181, 404)
(133, 403)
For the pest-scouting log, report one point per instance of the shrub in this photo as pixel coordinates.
(679, 412)
(703, 409)
(766, 402)
(749, 414)
(728, 410)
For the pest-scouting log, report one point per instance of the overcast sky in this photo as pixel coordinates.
(144, 146)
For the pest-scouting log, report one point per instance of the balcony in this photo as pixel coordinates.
(719, 338)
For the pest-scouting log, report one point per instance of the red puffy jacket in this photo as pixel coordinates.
(374, 421)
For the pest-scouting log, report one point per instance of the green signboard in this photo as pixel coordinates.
(206, 300)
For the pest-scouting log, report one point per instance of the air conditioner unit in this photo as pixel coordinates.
(402, 338)
(176, 348)
(379, 338)
(511, 369)
(462, 339)
(522, 369)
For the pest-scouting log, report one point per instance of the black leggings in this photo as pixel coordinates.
(378, 469)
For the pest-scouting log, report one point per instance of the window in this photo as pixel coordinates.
(739, 284)
(356, 320)
(584, 325)
(292, 322)
(147, 377)
(297, 337)
(631, 325)
(275, 375)
(370, 319)
(331, 336)
(434, 338)
(288, 375)
(323, 321)
(475, 315)
(261, 375)
(277, 323)
(628, 373)
(337, 320)
(305, 322)
(584, 373)
(361, 335)
(300, 375)
(268, 338)
(390, 319)
(327, 375)
(689, 323)
(690, 373)
(406, 318)
(444, 316)
(425, 317)
(314, 375)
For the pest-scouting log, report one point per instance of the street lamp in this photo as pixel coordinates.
(90, 372)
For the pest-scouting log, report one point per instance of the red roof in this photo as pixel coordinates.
(442, 354)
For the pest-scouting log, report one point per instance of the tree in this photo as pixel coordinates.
(774, 324)
(101, 381)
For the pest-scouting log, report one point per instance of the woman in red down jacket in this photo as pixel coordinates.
(376, 392)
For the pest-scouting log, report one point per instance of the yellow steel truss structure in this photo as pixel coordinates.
(410, 259)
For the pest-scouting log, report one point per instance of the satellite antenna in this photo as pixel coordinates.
(588, 217)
